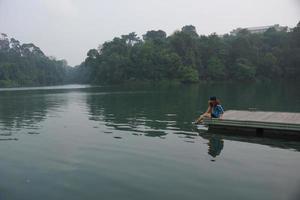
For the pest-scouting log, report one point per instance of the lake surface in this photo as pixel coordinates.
(79, 142)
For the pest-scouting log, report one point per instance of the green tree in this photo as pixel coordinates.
(190, 30)
(189, 75)
(243, 70)
(27, 65)
(189, 58)
(155, 36)
(268, 66)
(216, 69)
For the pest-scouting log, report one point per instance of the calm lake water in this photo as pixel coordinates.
(78, 142)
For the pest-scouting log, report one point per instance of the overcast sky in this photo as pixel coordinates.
(67, 29)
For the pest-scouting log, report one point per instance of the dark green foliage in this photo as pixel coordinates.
(27, 65)
(216, 68)
(187, 57)
(155, 36)
(183, 57)
(243, 70)
(190, 30)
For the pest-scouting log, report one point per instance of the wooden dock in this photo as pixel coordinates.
(259, 123)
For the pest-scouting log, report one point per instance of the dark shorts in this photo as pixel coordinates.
(213, 115)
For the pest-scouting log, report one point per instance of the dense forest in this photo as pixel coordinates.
(183, 56)
(187, 57)
(27, 65)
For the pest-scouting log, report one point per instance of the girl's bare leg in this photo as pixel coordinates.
(205, 115)
(201, 118)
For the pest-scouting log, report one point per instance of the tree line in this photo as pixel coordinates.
(184, 56)
(27, 65)
(188, 57)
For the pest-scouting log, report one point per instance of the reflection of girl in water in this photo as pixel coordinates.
(215, 146)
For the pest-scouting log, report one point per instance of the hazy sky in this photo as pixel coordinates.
(69, 28)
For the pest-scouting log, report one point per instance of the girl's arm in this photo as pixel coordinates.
(209, 109)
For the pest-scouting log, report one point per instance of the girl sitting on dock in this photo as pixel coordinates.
(214, 110)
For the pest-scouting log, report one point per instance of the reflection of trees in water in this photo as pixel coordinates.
(274, 96)
(153, 109)
(160, 108)
(25, 109)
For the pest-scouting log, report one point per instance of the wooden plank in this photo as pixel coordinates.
(235, 123)
(276, 117)
(258, 119)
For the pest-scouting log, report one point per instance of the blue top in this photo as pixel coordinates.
(217, 110)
